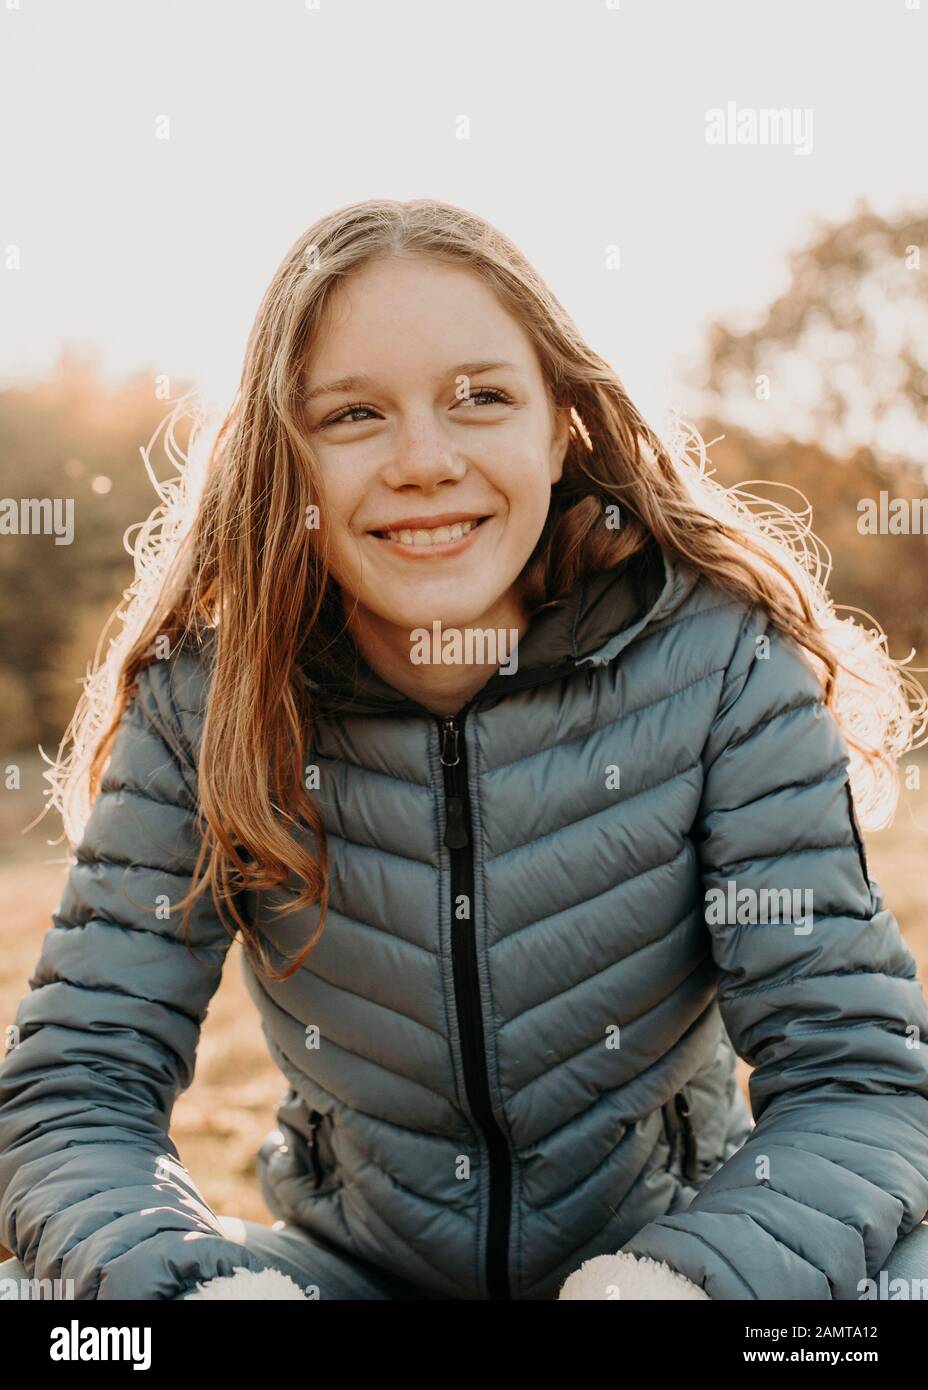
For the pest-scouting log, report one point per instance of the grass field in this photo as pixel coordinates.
(219, 1122)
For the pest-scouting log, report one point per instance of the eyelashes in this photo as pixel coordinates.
(500, 398)
(348, 410)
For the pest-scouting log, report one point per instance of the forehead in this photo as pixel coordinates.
(418, 312)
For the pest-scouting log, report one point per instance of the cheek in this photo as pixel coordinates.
(339, 504)
(343, 494)
(528, 493)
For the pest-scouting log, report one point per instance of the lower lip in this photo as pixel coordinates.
(435, 551)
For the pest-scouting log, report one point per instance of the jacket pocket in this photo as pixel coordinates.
(317, 1160)
(681, 1134)
(297, 1165)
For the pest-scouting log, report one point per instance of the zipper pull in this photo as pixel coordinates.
(449, 742)
(456, 836)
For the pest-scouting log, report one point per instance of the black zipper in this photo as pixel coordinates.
(467, 1000)
(681, 1120)
(315, 1119)
(858, 837)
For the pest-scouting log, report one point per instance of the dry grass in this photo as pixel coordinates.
(219, 1122)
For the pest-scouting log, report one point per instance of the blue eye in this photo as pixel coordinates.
(343, 417)
(349, 410)
(499, 396)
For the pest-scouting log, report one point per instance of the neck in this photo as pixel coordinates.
(442, 689)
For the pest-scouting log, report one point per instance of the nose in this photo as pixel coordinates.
(423, 457)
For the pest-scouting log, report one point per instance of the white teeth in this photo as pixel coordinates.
(438, 535)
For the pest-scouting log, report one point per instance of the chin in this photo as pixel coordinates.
(448, 613)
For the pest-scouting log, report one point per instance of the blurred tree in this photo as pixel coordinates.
(67, 437)
(841, 357)
(884, 575)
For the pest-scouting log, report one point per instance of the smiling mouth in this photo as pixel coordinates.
(426, 536)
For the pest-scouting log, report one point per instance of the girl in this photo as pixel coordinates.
(518, 758)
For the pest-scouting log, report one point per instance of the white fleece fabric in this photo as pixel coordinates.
(247, 1284)
(622, 1276)
(627, 1276)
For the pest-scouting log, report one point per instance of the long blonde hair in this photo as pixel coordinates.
(228, 552)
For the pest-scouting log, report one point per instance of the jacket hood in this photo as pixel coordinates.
(588, 628)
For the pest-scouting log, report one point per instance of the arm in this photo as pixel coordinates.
(830, 1015)
(92, 1189)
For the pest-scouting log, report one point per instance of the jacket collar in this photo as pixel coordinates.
(589, 628)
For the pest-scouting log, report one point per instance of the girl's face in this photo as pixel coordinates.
(437, 441)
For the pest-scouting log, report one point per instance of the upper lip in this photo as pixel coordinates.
(427, 523)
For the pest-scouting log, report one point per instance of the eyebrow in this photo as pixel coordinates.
(356, 383)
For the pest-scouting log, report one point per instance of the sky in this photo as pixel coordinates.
(586, 124)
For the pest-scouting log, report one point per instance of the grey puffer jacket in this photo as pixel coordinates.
(511, 1050)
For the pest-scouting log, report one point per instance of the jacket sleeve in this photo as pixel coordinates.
(91, 1186)
(827, 1008)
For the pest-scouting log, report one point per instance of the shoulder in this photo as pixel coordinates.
(731, 628)
(703, 613)
(172, 690)
(708, 630)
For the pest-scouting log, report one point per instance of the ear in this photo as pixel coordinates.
(560, 439)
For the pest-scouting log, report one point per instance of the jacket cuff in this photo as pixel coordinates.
(246, 1284)
(629, 1276)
